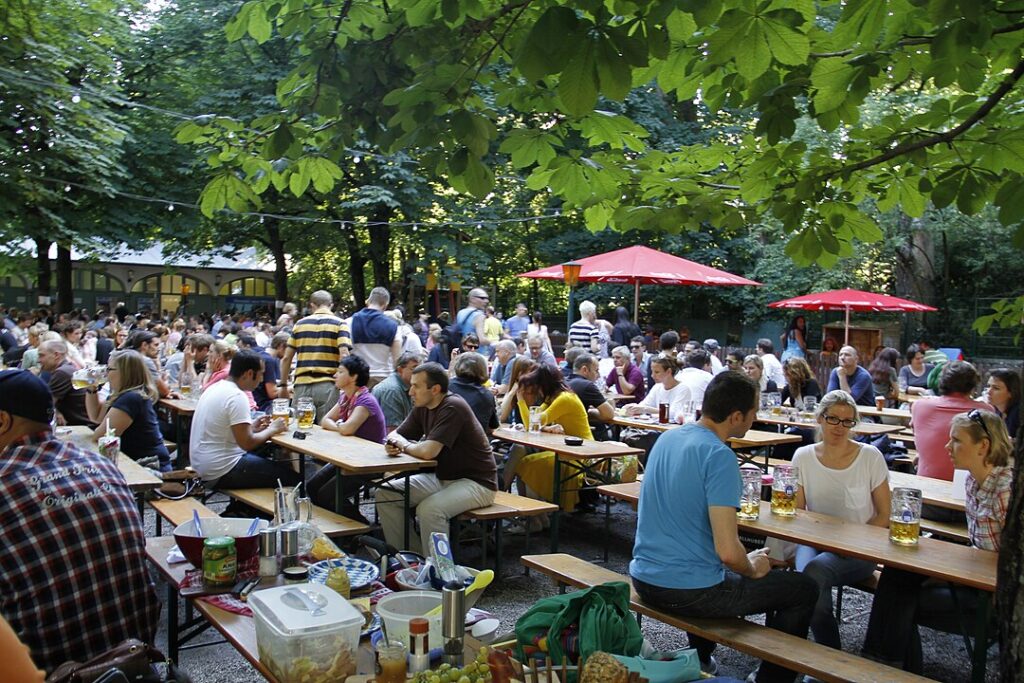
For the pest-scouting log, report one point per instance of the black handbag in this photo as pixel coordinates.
(130, 660)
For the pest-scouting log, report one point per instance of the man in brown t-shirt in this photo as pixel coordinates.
(440, 427)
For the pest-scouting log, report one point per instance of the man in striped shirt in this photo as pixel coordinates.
(315, 346)
(583, 332)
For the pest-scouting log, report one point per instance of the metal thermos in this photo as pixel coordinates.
(453, 622)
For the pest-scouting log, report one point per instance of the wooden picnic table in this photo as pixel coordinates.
(872, 411)
(870, 428)
(577, 458)
(138, 477)
(353, 457)
(937, 492)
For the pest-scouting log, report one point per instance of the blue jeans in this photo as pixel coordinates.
(787, 598)
(829, 570)
(255, 472)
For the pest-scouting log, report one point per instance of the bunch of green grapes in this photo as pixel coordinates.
(476, 671)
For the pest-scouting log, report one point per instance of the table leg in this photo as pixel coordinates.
(179, 435)
(980, 653)
(406, 507)
(557, 500)
(172, 623)
(338, 492)
(607, 525)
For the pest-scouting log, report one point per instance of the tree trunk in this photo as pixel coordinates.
(379, 250)
(1010, 579)
(65, 293)
(276, 245)
(43, 266)
(356, 262)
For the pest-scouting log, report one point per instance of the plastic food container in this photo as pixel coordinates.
(397, 609)
(306, 632)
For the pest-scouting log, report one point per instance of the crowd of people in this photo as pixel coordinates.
(435, 389)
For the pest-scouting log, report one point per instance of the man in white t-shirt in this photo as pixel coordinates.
(772, 366)
(224, 435)
(696, 374)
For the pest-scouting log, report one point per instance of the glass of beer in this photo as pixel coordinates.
(750, 496)
(305, 413)
(281, 408)
(784, 490)
(905, 516)
(82, 379)
(663, 413)
(535, 419)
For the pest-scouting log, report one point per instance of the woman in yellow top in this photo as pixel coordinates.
(562, 412)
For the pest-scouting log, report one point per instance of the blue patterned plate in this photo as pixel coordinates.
(374, 626)
(361, 573)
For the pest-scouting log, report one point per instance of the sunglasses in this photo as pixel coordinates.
(975, 416)
(634, 348)
(833, 420)
(472, 346)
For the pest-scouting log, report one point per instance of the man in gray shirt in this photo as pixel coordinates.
(393, 393)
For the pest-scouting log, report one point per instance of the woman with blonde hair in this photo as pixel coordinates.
(129, 409)
(218, 362)
(978, 442)
(843, 478)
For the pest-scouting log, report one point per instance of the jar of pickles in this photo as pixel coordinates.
(220, 564)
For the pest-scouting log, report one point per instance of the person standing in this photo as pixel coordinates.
(772, 366)
(470, 320)
(688, 558)
(624, 329)
(492, 329)
(441, 427)
(583, 333)
(852, 378)
(794, 339)
(315, 345)
(375, 336)
(518, 325)
(74, 579)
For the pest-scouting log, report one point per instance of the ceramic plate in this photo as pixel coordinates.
(374, 625)
(361, 573)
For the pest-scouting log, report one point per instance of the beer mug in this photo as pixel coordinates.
(305, 413)
(281, 408)
(535, 419)
(784, 490)
(905, 516)
(810, 403)
(750, 496)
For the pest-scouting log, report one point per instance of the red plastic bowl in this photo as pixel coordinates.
(191, 545)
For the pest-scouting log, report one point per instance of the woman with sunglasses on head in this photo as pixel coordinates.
(842, 478)
(978, 443)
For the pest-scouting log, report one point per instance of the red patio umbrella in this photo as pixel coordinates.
(641, 265)
(851, 300)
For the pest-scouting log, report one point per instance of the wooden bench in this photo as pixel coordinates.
(948, 530)
(331, 523)
(178, 511)
(807, 657)
(505, 506)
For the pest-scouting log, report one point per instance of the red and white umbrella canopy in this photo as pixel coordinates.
(641, 265)
(852, 300)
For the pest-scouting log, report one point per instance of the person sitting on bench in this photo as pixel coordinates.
(688, 559)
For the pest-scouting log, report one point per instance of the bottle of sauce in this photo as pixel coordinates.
(338, 581)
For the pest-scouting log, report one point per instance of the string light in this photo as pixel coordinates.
(414, 225)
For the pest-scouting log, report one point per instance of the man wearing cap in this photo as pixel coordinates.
(70, 402)
(711, 346)
(73, 575)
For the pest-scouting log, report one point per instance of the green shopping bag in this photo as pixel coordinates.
(601, 619)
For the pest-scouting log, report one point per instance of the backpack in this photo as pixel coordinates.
(454, 331)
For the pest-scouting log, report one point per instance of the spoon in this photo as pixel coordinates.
(480, 581)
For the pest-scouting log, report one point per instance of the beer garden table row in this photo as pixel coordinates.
(949, 562)
(138, 478)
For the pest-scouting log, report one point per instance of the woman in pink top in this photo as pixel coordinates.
(218, 363)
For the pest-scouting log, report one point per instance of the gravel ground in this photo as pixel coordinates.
(945, 658)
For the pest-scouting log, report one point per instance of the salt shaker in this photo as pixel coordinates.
(289, 548)
(453, 622)
(268, 552)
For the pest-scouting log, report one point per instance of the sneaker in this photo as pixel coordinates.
(709, 667)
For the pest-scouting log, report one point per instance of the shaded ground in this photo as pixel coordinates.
(945, 658)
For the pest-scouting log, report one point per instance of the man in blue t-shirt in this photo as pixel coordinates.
(852, 378)
(688, 558)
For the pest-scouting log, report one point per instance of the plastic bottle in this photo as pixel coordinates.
(419, 645)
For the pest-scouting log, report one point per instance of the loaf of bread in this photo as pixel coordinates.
(601, 667)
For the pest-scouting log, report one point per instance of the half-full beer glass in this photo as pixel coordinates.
(305, 412)
(784, 490)
(281, 408)
(905, 516)
(750, 496)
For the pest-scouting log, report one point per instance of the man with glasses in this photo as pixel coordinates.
(470, 320)
(535, 346)
(641, 359)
